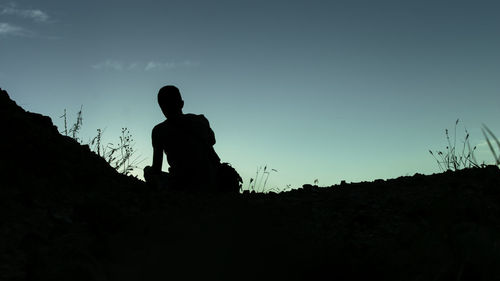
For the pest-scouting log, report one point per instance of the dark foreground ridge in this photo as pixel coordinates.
(66, 215)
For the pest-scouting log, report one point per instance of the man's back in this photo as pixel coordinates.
(188, 143)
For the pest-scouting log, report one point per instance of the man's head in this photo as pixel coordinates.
(170, 101)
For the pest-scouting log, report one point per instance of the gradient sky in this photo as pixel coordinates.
(327, 90)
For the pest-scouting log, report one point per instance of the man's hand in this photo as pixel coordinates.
(149, 174)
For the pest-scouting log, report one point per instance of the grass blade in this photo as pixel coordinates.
(491, 147)
(492, 135)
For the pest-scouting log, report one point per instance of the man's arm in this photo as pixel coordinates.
(211, 134)
(157, 160)
(157, 150)
(152, 174)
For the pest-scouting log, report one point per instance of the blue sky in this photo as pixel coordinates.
(327, 90)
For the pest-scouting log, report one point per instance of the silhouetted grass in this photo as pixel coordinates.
(119, 155)
(75, 128)
(454, 160)
(255, 185)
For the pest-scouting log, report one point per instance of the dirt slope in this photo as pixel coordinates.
(66, 215)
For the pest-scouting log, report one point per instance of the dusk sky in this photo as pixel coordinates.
(327, 90)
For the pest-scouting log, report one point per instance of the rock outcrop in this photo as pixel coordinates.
(56, 198)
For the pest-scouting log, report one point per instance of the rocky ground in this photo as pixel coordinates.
(66, 215)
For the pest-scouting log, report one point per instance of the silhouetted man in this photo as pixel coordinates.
(187, 140)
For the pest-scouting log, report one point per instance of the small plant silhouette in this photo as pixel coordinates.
(450, 159)
(75, 128)
(118, 155)
(264, 176)
(65, 123)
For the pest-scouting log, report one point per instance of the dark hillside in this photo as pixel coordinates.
(65, 214)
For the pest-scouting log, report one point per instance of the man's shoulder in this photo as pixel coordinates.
(193, 116)
(196, 118)
(160, 127)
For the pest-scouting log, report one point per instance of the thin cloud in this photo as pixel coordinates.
(152, 65)
(109, 64)
(7, 29)
(138, 66)
(159, 65)
(133, 66)
(35, 15)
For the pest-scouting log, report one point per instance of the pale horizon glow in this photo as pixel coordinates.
(342, 90)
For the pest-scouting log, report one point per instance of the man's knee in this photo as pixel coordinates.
(149, 175)
(154, 178)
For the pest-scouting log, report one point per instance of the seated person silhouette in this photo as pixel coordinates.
(187, 140)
